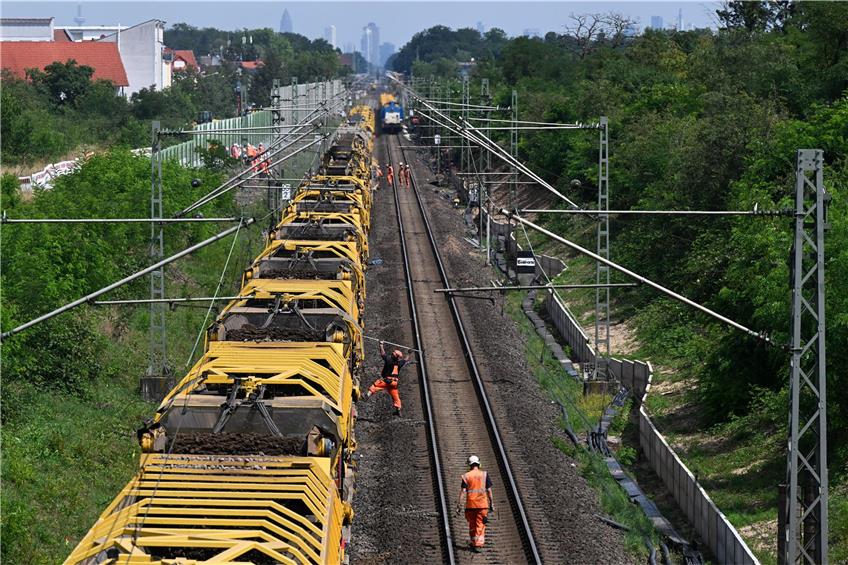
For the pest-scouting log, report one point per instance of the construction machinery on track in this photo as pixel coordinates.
(249, 459)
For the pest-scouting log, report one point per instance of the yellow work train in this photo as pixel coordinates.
(249, 458)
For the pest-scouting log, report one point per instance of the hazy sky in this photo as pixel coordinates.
(398, 20)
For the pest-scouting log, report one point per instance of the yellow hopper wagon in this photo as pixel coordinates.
(295, 310)
(304, 259)
(328, 201)
(324, 227)
(358, 188)
(249, 458)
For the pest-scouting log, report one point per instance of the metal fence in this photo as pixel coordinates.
(296, 102)
(712, 525)
(569, 329)
(186, 153)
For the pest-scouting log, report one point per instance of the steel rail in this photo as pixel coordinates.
(125, 280)
(510, 485)
(425, 384)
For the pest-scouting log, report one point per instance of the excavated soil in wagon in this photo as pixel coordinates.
(250, 332)
(236, 444)
(307, 273)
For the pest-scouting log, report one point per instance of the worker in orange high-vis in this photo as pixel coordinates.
(408, 174)
(262, 157)
(390, 175)
(250, 155)
(390, 375)
(379, 175)
(401, 173)
(477, 490)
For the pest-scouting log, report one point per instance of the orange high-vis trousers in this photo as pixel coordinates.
(476, 527)
(391, 387)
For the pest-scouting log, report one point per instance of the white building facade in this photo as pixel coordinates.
(141, 47)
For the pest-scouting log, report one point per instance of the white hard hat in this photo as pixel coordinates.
(473, 460)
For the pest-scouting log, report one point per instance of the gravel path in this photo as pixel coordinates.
(395, 512)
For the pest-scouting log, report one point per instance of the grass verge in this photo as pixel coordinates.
(584, 412)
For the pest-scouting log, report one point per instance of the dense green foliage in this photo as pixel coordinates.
(436, 50)
(698, 120)
(39, 125)
(45, 266)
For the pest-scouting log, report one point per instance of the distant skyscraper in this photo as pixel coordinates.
(480, 28)
(286, 23)
(680, 19)
(656, 22)
(371, 44)
(386, 50)
(330, 35)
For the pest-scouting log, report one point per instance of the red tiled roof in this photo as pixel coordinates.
(186, 55)
(104, 58)
(251, 65)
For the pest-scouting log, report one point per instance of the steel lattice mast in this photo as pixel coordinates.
(155, 381)
(602, 271)
(806, 532)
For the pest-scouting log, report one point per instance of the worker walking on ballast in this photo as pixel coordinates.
(477, 489)
(388, 381)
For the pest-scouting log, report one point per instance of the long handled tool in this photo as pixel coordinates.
(392, 343)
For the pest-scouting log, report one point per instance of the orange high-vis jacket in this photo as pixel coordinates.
(475, 489)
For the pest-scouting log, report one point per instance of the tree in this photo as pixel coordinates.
(62, 82)
(592, 30)
(755, 15)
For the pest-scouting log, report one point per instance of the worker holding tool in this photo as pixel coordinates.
(477, 490)
(388, 380)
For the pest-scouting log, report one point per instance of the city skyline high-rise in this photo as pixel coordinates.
(330, 35)
(370, 44)
(387, 49)
(286, 25)
(656, 22)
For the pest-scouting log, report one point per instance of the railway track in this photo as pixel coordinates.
(457, 409)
